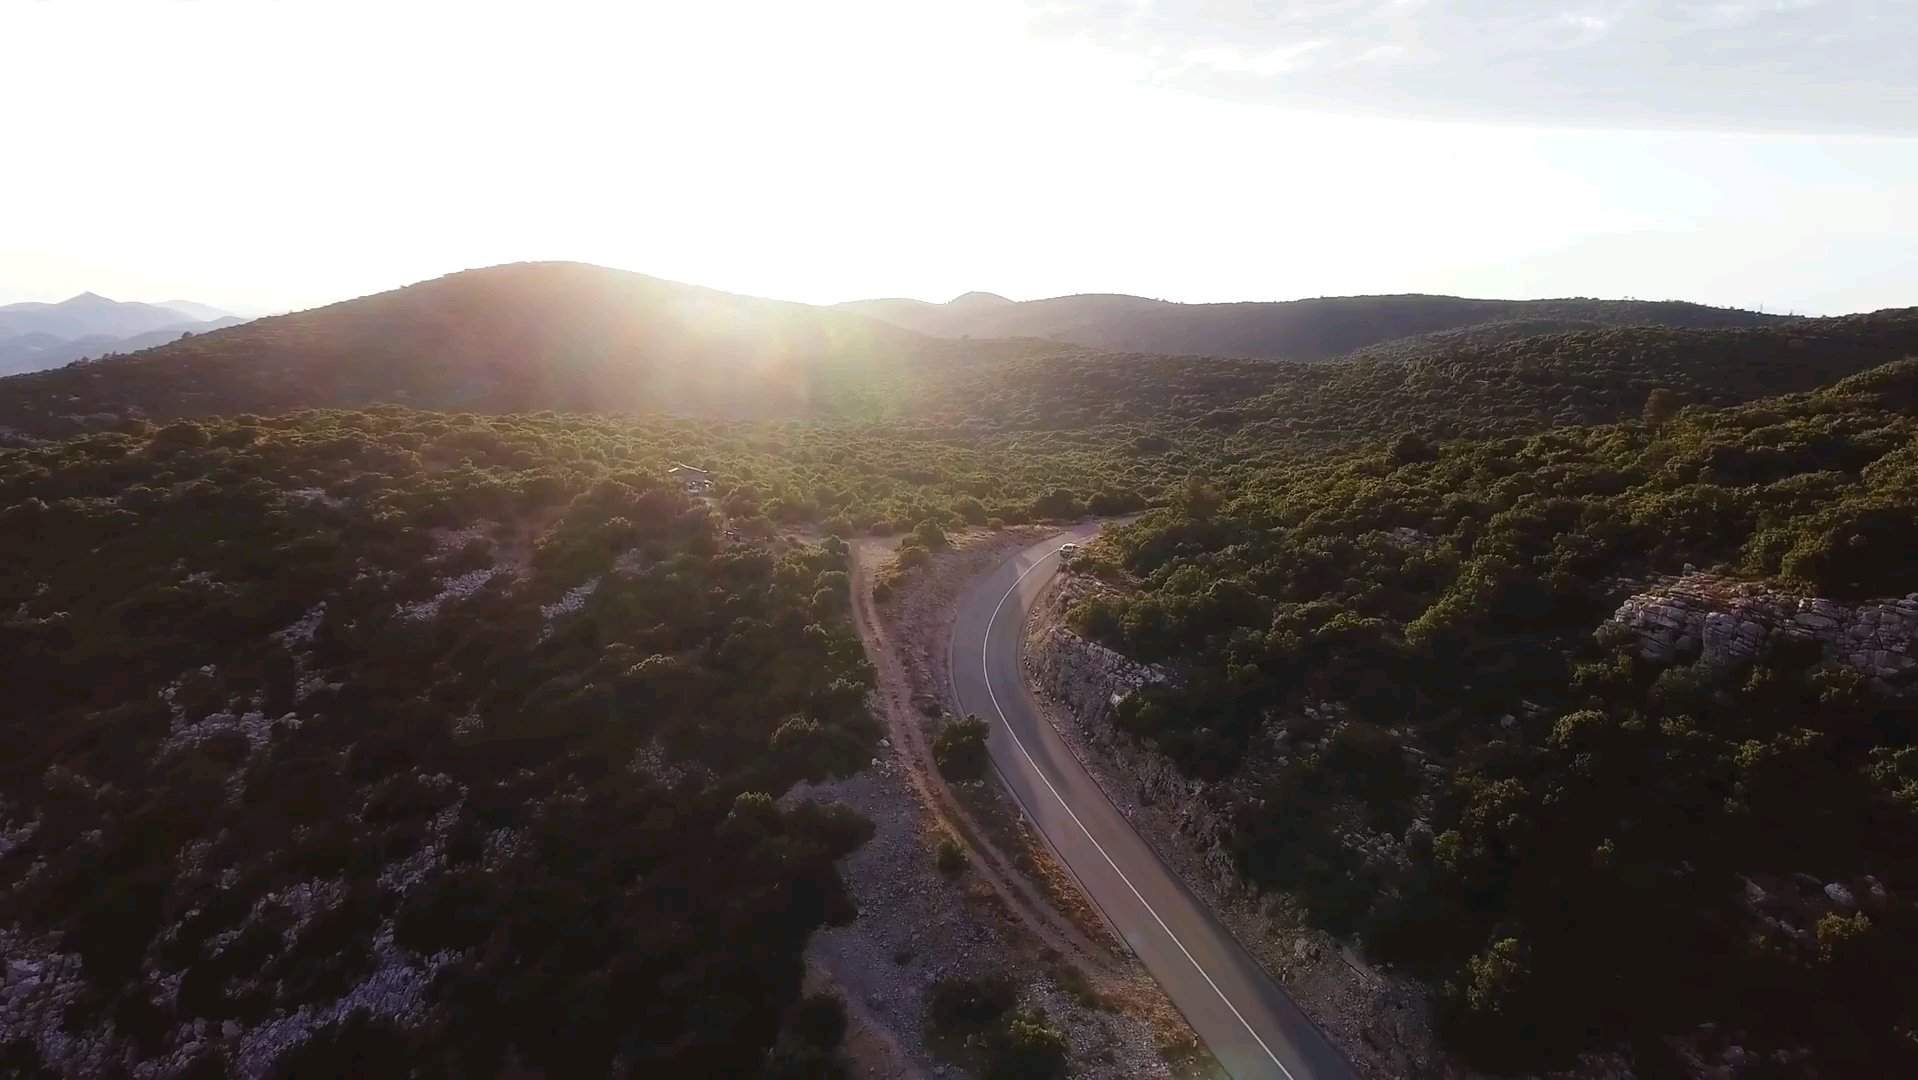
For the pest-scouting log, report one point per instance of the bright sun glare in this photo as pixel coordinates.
(286, 154)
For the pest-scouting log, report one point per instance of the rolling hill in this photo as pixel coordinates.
(1292, 330)
(40, 351)
(513, 338)
(574, 338)
(1280, 407)
(197, 311)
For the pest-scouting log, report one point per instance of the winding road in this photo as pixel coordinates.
(1244, 1018)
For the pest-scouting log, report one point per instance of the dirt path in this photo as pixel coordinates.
(917, 926)
(906, 725)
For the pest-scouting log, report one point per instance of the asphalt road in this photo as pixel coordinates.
(1247, 1022)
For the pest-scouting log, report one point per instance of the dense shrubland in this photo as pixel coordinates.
(457, 738)
(342, 736)
(521, 339)
(1390, 663)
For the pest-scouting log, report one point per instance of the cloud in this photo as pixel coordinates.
(1798, 66)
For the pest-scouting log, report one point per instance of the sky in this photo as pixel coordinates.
(273, 154)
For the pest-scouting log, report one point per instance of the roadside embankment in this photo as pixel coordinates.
(1381, 1021)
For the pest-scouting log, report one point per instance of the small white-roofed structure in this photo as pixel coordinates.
(695, 481)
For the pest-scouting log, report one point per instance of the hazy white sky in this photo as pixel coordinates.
(287, 153)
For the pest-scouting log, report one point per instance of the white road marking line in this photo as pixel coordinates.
(985, 670)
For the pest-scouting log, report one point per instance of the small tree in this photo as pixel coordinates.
(1198, 500)
(1661, 405)
(1408, 449)
(1494, 973)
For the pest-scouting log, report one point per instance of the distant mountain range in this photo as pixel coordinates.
(575, 338)
(36, 336)
(1290, 330)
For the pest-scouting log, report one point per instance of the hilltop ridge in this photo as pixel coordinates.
(575, 338)
(1293, 330)
(518, 337)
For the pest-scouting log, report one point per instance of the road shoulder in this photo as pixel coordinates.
(917, 926)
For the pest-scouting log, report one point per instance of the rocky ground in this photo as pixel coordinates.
(916, 925)
(1724, 622)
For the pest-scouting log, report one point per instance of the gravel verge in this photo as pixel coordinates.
(917, 926)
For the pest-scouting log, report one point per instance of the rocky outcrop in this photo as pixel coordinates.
(1723, 622)
(1088, 680)
(1086, 675)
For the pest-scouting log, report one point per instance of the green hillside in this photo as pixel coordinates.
(1503, 797)
(297, 706)
(368, 651)
(574, 338)
(516, 338)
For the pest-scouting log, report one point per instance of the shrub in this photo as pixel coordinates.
(980, 1019)
(951, 858)
(1107, 503)
(1029, 1048)
(1408, 449)
(930, 535)
(809, 1048)
(960, 749)
(1074, 982)
(1059, 503)
(1661, 405)
(820, 1019)
(959, 1008)
(969, 508)
(881, 592)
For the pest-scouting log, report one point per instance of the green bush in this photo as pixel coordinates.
(1029, 1048)
(951, 858)
(979, 1018)
(1109, 503)
(930, 535)
(1060, 504)
(970, 509)
(959, 748)
(958, 1008)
